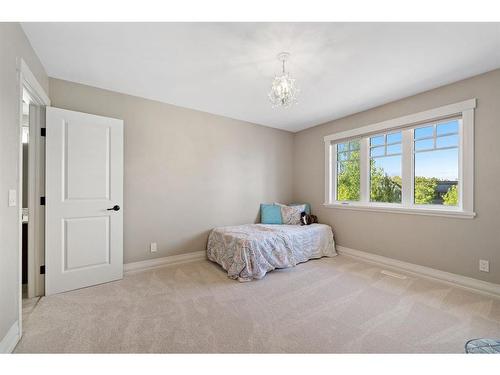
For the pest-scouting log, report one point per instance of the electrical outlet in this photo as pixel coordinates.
(484, 265)
(153, 247)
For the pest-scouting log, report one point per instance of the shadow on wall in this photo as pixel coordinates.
(257, 217)
(195, 242)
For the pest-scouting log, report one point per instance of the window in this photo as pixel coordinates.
(385, 168)
(420, 163)
(348, 173)
(436, 163)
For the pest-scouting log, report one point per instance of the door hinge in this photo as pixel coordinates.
(42, 132)
(42, 201)
(42, 270)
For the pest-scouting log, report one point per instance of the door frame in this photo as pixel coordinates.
(36, 180)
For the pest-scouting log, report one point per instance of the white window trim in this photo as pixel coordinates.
(465, 109)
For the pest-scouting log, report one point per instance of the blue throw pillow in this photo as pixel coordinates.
(308, 207)
(270, 214)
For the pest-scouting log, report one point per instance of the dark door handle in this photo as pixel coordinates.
(114, 208)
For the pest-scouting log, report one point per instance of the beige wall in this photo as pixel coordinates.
(453, 245)
(186, 171)
(13, 45)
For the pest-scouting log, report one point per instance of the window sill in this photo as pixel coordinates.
(403, 210)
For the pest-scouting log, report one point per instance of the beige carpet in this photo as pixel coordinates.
(29, 305)
(335, 305)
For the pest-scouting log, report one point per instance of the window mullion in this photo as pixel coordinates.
(330, 171)
(364, 167)
(407, 178)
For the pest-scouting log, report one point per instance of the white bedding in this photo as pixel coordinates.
(249, 251)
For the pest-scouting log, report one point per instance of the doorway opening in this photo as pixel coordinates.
(31, 188)
(30, 293)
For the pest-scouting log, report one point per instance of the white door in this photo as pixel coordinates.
(83, 200)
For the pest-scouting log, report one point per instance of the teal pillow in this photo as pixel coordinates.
(308, 207)
(270, 214)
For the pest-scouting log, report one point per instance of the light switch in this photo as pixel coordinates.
(12, 198)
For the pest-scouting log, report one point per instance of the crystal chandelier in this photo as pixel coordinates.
(283, 89)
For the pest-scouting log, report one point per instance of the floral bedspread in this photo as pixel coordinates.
(249, 251)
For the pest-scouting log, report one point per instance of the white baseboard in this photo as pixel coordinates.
(10, 339)
(165, 261)
(480, 286)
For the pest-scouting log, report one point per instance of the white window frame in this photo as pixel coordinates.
(406, 124)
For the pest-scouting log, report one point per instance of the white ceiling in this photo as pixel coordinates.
(226, 68)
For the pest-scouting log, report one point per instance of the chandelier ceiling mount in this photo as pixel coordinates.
(284, 91)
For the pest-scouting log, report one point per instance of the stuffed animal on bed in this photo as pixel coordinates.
(306, 219)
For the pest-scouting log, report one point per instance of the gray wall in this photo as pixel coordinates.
(453, 245)
(25, 175)
(186, 171)
(13, 45)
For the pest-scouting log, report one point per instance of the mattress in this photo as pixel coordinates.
(249, 251)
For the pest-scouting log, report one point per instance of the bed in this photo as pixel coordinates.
(249, 251)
